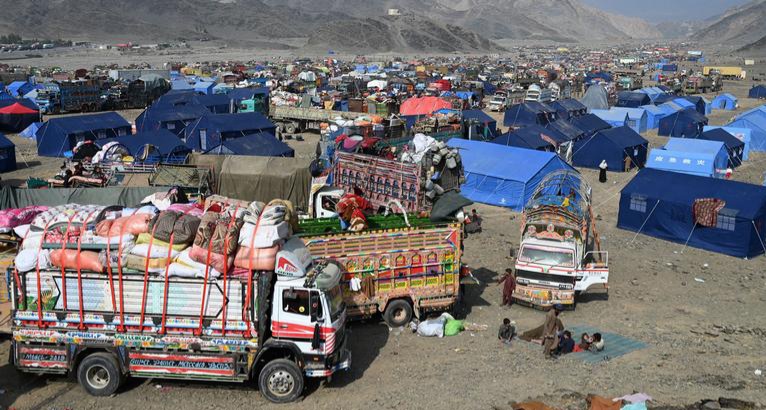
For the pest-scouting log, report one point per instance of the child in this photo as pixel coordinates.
(585, 342)
(598, 343)
(507, 331)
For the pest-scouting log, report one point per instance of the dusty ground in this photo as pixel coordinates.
(705, 340)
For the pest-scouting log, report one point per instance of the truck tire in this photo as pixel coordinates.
(281, 381)
(99, 374)
(291, 128)
(398, 313)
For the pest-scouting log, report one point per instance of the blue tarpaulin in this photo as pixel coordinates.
(59, 135)
(528, 113)
(690, 156)
(725, 101)
(613, 146)
(503, 176)
(661, 204)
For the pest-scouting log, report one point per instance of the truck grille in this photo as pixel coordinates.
(523, 276)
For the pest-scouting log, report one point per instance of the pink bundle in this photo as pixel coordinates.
(217, 261)
(11, 218)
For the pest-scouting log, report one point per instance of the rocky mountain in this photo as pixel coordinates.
(739, 26)
(399, 33)
(359, 25)
(560, 20)
(675, 30)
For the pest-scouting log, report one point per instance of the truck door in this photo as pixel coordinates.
(298, 314)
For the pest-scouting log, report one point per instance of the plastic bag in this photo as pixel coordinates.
(453, 327)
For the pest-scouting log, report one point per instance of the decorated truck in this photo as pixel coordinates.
(78, 309)
(400, 266)
(559, 256)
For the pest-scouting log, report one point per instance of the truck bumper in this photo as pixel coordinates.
(543, 297)
(344, 363)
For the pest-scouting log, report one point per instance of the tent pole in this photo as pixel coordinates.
(690, 237)
(645, 221)
(759, 236)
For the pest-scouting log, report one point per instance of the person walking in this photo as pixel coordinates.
(602, 171)
(509, 286)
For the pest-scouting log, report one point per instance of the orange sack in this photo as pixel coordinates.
(133, 225)
(263, 258)
(67, 258)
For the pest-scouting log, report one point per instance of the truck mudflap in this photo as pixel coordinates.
(344, 363)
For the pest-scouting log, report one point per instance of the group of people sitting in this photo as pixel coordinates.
(73, 175)
(588, 343)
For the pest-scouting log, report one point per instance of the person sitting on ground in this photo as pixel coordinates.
(473, 222)
(598, 343)
(507, 331)
(566, 344)
(585, 342)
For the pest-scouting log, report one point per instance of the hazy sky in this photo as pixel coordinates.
(666, 10)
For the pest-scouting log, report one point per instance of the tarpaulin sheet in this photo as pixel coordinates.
(126, 196)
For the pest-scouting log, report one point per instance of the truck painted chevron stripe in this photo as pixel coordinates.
(295, 331)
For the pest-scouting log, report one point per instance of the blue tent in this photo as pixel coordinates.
(612, 145)
(163, 143)
(216, 103)
(246, 93)
(614, 118)
(755, 121)
(31, 131)
(503, 176)
(652, 92)
(630, 99)
(262, 144)
(17, 89)
(59, 135)
(7, 154)
(669, 108)
(180, 84)
(532, 137)
(653, 116)
(590, 124)
(484, 125)
(663, 98)
(596, 98)
(568, 108)
(734, 147)
(661, 204)
(528, 113)
(698, 102)
(571, 132)
(690, 156)
(212, 130)
(758, 91)
(204, 87)
(173, 119)
(683, 124)
(637, 118)
(5, 96)
(742, 134)
(725, 101)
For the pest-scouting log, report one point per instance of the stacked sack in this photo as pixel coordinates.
(168, 234)
(265, 230)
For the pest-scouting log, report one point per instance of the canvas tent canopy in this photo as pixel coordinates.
(173, 119)
(59, 135)
(16, 115)
(742, 134)
(571, 132)
(717, 215)
(682, 124)
(423, 105)
(212, 129)
(568, 108)
(653, 115)
(532, 137)
(7, 154)
(637, 118)
(630, 99)
(262, 144)
(503, 176)
(734, 147)
(590, 123)
(154, 146)
(615, 118)
(528, 113)
(31, 131)
(758, 91)
(613, 146)
(699, 103)
(725, 101)
(690, 156)
(596, 98)
(755, 121)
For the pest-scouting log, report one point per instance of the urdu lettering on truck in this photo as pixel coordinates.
(559, 256)
(226, 295)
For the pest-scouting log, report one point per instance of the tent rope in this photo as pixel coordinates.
(759, 236)
(689, 237)
(643, 224)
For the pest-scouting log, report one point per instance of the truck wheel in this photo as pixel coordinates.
(398, 313)
(99, 374)
(290, 128)
(281, 381)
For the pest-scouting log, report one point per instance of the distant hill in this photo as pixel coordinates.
(675, 30)
(358, 25)
(739, 26)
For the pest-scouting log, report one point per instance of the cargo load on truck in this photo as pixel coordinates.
(399, 266)
(216, 291)
(560, 253)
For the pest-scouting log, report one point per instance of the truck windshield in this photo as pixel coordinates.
(337, 305)
(547, 256)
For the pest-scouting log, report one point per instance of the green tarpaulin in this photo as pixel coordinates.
(126, 196)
